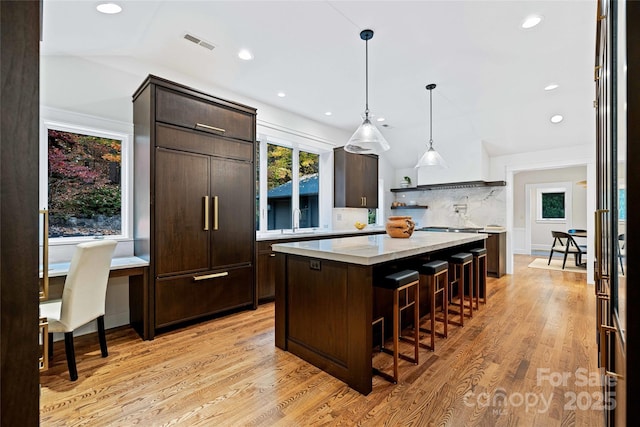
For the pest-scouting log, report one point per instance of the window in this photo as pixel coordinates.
(552, 204)
(288, 187)
(308, 173)
(279, 186)
(83, 182)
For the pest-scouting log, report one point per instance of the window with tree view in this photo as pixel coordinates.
(84, 184)
(553, 205)
(291, 191)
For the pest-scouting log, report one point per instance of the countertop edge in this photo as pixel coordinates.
(288, 248)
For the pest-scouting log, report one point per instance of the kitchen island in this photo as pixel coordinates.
(324, 294)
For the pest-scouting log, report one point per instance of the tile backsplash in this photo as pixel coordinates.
(345, 218)
(461, 207)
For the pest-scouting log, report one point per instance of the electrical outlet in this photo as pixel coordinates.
(314, 264)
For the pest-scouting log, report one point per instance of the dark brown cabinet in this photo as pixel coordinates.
(194, 204)
(496, 254)
(355, 180)
(266, 272)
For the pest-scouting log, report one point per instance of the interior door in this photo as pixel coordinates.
(233, 204)
(181, 205)
(610, 243)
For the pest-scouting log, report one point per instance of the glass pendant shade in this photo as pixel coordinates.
(367, 139)
(431, 157)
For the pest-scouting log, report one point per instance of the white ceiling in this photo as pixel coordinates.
(490, 73)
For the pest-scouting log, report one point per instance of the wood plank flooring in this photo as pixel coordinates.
(504, 368)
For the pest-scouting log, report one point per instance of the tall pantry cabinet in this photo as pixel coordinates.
(194, 209)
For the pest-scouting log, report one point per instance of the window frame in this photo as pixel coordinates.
(567, 204)
(66, 121)
(264, 140)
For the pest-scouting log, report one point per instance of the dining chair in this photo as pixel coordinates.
(565, 244)
(83, 298)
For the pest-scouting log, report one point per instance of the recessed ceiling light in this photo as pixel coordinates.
(531, 21)
(328, 113)
(245, 54)
(282, 94)
(551, 87)
(109, 8)
(380, 119)
(557, 118)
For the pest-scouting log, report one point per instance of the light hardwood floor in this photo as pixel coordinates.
(499, 370)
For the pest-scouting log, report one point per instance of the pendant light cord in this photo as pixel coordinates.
(366, 79)
(430, 116)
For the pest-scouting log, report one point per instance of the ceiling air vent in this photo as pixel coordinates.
(199, 41)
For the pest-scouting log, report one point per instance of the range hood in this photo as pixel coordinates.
(452, 185)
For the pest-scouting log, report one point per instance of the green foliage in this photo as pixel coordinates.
(84, 175)
(553, 205)
(279, 165)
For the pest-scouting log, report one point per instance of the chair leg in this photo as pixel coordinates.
(102, 336)
(564, 261)
(71, 355)
(550, 255)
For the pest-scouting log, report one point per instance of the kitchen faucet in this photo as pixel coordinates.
(293, 219)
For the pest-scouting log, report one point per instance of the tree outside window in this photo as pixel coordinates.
(84, 184)
(553, 205)
(286, 166)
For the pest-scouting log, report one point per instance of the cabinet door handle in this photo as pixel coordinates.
(206, 213)
(215, 212)
(365, 201)
(208, 128)
(272, 255)
(210, 276)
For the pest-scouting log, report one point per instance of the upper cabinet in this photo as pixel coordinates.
(355, 180)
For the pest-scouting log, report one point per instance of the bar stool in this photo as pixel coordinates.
(462, 262)
(431, 274)
(397, 282)
(480, 275)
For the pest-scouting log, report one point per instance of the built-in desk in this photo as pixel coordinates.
(324, 295)
(137, 269)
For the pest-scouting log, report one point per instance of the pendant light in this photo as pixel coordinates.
(367, 139)
(431, 157)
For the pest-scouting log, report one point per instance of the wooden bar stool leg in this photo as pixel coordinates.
(396, 333)
(416, 321)
(476, 281)
(469, 268)
(445, 302)
(432, 293)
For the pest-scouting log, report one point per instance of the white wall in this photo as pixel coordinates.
(101, 89)
(525, 188)
(505, 167)
(466, 161)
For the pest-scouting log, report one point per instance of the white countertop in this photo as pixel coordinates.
(59, 269)
(376, 249)
(321, 232)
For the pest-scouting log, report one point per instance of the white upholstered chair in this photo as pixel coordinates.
(83, 297)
